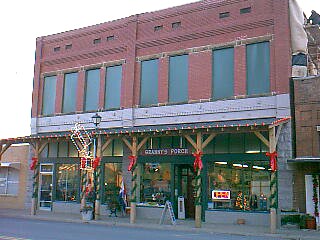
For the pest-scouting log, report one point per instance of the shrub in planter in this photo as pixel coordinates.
(86, 212)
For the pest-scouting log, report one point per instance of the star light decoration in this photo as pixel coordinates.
(82, 140)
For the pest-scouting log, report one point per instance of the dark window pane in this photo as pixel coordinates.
(158, 28)
(224, 14)
(53, 150)
(236, 143)
(113, 87)
(221, 143)
(176, 25)
(245, 10)
(68, 46)
(110, 38)
(149, 82)
(258, 68)
(178, 79)
(70, 92)
(97, 40)
(223, 73)
(56, 49)
(63, 149)
(92, 90)
(49, 95)
(252, 143)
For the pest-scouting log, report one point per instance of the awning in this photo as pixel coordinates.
(159, 128)
(304, 160)
(10, 164)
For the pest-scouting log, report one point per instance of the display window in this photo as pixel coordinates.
(67, 182)
(155, 183)
(239, 185)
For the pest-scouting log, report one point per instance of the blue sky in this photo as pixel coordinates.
(22, 21)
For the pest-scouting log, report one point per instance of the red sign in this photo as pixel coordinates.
(220, 195)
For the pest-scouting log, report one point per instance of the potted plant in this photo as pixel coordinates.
(86, 212)
(307, 221)
(310, 222)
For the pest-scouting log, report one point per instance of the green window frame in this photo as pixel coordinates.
(258, 68)
(91, 102)
(223, 73)
(113, 87)
(49, 95)
(70, 92)
(149, 82)
(178, 79)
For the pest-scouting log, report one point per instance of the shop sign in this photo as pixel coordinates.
(220, 195)
(167, 151)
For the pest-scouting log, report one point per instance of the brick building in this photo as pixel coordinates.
(202, 85)
(14, 177)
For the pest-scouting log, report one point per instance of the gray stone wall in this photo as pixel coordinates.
(285, 173)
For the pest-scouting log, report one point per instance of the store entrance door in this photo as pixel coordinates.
(45, 191)
(184, 186)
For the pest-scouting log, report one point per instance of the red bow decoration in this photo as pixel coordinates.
(273, 160)
(197, 164)
(96, 162)
(133, 160)
(34, 163)
(83, 162)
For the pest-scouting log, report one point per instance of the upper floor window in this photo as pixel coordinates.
(178, 79)
(49, 95)
(92, 87)
(258, 68)
(56, 49)
(149, 82)
(69, 92)
(113, 87)
(223, 74)
(68, 46)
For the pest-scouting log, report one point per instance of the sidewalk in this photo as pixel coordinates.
(181, 225)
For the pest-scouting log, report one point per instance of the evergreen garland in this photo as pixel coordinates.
(315, 194)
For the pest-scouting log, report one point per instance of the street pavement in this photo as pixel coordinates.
(181, 225)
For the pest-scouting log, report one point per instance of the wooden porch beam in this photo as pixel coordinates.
(208, 140)
(190, 140)
(106, 144)
(142, 143)
(5, 148)
(262, 138)
(278, 133)
(125, 140)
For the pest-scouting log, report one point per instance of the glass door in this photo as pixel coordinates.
(184, 185)
(45, 190)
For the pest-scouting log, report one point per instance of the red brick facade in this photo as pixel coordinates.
(201, 31)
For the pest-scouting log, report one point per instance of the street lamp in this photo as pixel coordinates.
(96, 119)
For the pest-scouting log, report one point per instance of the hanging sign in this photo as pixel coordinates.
(167, 151)
(220, 195)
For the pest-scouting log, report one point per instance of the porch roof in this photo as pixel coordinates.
(155, 129)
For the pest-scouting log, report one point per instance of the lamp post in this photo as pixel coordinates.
(96, 119)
